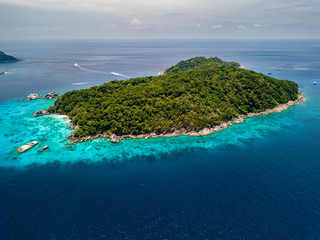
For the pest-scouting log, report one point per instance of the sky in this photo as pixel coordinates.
(164, 19)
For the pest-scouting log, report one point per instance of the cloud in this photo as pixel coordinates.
(216, 26)
(163, 19)
(37, 29)
(137, 24)
(110, 26)
(116, 7)
(306, 6)
(242, 27)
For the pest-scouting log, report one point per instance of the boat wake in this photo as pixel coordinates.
(95, 71)
(119, 74)
(88, 70)
(81, 83)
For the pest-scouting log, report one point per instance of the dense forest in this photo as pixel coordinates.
(198, 63)
(4, 58)
(193, 99)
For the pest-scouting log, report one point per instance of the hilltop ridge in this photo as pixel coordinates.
(198, 63)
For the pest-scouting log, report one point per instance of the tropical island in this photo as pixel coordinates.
(4, 58)
(197, 96)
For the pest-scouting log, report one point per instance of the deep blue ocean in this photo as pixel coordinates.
(255, 180)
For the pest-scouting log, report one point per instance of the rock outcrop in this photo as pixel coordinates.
(161, 73)
(33, 96)
(51, 95)
(73, 126)
(114, 138)
(40, 113)
(26, 146)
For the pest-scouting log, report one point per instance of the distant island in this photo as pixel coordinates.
(197, 96)
(4, 58)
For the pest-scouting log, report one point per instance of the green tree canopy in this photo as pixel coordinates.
(192, 99)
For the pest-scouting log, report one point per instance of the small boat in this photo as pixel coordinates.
(269, 73)
(314, 83)
(3, 72)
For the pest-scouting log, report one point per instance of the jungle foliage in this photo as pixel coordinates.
(198, 63)
(193, 100)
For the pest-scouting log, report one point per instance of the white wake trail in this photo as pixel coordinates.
(95, 71)
(119, 74)
(81, 83)
(88, 70)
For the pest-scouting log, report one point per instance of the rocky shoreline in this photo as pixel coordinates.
(174, 133)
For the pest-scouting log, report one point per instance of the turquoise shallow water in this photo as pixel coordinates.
(20, 127)
(255, 180)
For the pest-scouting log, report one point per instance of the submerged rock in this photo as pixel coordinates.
(33, 96)
(43, 148)
(26, 146)
(51, 95)
(71, 135)
(40, 113)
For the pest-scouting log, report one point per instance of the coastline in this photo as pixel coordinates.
(181, 132)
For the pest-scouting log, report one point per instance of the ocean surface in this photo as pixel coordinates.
(255, 180)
